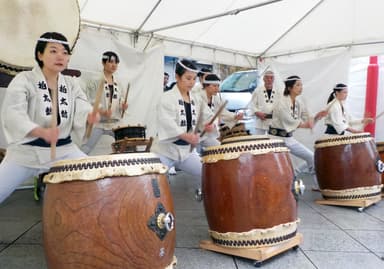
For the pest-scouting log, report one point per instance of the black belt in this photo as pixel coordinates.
(41, 142)
(279, 132)
(331, 130)
(181, 142)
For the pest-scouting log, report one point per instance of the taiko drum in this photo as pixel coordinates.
(247, 192)
(113, 211)
(347, 167)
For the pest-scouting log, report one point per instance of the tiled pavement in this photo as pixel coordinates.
(334, 237)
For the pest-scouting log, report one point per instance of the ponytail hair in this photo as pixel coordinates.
(289, 82)
(338, 88)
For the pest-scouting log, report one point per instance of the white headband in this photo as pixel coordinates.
(216, 82)
(109, 58)
(292, 79)
(340, 88)
(53, 40)
(187, 68)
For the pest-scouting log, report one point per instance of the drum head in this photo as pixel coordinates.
(23, 22)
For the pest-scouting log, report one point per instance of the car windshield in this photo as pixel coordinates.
(240, 82)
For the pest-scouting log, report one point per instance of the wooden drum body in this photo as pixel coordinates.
(137, 132)
(247, 193)
(347, 167)
(112, 211)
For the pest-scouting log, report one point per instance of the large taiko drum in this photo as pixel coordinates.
(113, 211)
(237, 130)
(247, 193)
(380, 149)
(347, 167)
(22, 22)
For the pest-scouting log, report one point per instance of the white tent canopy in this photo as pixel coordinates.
(257, 29)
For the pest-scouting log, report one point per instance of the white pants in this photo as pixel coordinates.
(259, 131)
(299, 150)
(192, 165)
(12, 174)
(95, 136)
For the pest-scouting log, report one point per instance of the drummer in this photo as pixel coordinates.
(28, 106)
(290, 113)
(338, 121)
(263, 99)
(177, 116)
(112, 102)
(209, 97)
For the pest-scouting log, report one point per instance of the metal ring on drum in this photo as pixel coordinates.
(247, 193)
(117, 208)
(346, 167)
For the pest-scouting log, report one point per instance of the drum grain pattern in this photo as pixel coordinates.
(104, 223)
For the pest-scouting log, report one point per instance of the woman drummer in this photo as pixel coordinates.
(112, 102)
(338, 121)
(28, 109)
(289, 113)
(209, 97)
(177, 116)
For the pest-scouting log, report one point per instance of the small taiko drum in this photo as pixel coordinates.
(237, 130)
(247, 193)
(113, 211)
(347, 167)
(137, 132)
(130, 139)
(380, 149)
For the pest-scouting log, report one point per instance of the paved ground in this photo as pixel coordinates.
(334, 237)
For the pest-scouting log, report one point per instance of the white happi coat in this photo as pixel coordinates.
(338, 119)
(288, 117)
(172, 122)
(27, 105)
(116, 104)
(227, 117)
(260, 102)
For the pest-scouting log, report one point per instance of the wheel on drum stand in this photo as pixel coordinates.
(257, 263)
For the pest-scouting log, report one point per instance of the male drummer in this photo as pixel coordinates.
(262, 102)
(112, 98)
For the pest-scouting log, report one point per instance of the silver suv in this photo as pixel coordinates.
(237, 88)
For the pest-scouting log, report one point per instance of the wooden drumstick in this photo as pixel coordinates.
(125, 100)
(53, 121)
(95, 106)
(198, 122)
(218, 112)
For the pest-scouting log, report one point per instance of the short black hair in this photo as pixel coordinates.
(203, 71)
(107, 57)
(41, 45)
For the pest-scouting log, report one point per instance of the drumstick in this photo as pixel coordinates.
(218, 112)
(125, 100)
(198, 122)
(95, 106)
(53, 121)
(378, 116)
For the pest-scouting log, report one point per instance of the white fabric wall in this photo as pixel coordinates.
(143, 70)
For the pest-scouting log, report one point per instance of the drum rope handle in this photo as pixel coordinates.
(166, 221)
(95, 106)
(125, 100)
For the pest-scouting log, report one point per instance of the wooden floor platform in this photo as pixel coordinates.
(256, 254)
(360, 204)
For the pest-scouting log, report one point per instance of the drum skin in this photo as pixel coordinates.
(380, 149)
(347, 166)
(250, 192)
(105, 223)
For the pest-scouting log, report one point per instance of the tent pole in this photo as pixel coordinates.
(148, 16)
(231, 12)
(290, 28)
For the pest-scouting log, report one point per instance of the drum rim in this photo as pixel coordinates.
(13, 69)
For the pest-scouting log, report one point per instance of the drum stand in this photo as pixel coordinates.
(360, 204)
(257, 254)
